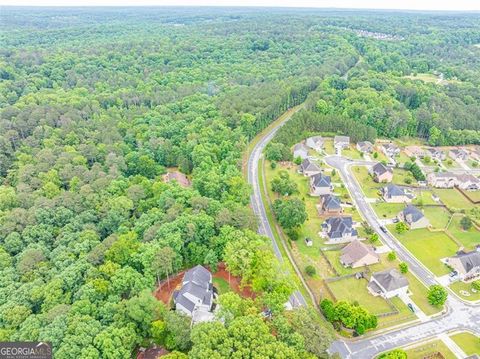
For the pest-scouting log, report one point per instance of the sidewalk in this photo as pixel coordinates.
(459, 353)
(418, 312)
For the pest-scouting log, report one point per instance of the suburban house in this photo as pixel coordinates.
(315, 143)
(292, 303)
(178, 177)
(436, 154)
(413, 217)
(309, 168)
(414, 151)
(394, 194)
(388, 284)
(341, 142)
(339, 229)
(196, 294)
(365, 147)
(320, 184)
(442, 179)
(330, 204)
(467, 264)
(382, 173)
(458, 154)
(300, 150)
(390, 150)
(468, 182)
(356, 254)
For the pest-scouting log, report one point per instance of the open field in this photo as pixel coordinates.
(469, 238)
(423, 350)
(467, 287)
(428, 247)
(469, 342)
(453, 199)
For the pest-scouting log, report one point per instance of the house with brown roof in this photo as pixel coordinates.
(178, 177)
(382, 173)
(357, 254)
(394, 194)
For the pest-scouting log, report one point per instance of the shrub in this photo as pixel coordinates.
(310, 270)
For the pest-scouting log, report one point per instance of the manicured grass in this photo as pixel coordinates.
(423, 197)
(387, 210)
(399, 176)
(404, 315)
(453, 199)
(469, 342)
(461, 286)
(438, 216)
(369, 186)
(328, 146)
(425, 77)
(352, 153)
(419, 295)
(402, 158)
(474, 195)
(221, 285)
(428, 247)
(352, 289)
(469, 238)
(423, 350)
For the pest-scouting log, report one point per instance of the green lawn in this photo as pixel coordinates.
(423, 197)
(428, 247)
(453, 199)
(404, 315)
(461, 286)
(438, 216)
(221, 285)
(474, 195)
(469, 342)
(425, 349)
(352, 289)
(399, 176)
(469, 238)
(352, 153)
(402, 158)
(328, 146)
(387, 210)
(419, 295)
(369, 186)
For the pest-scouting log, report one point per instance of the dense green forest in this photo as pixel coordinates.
(96, 104)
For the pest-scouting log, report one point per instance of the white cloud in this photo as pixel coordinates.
(370, 4)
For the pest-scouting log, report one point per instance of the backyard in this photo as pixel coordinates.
(453, 199)
(469, 238)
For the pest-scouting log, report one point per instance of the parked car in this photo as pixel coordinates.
(411, 307)
(395, 220)
(384, 230)
(453, 273)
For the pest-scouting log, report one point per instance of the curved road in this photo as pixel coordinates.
(256, 197)
(460, 315)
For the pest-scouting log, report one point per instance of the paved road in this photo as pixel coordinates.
(460, 315)
(256, 199)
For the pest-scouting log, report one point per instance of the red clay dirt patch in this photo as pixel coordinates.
(165, 290)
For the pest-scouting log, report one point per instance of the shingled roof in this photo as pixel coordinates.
(390, 279)
(469, 260)
(320, 180)
(355, 251)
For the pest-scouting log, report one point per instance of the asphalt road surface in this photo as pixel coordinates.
(256, 198)
(460, 315)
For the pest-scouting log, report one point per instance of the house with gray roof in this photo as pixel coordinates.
(394, 194)
(357, 254)
(413, 217)
(436, 154)
(196, 293)
(468, 182)
(330, 203)
(300, 150)
(390, 149)
(442, 179)
(320, 184)
(309, 168)
(315, 143)
(341, 142)
(381, 173)
(339, 229)
(467, 264)
(458, 154)
(388, 284)
(365, 146)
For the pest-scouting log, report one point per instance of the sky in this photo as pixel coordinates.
(462, 5)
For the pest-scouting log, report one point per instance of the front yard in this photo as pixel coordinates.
(426, 350)
(461, 287)
(369, 186)
(387, 210)
(469, 342)
(428, 247)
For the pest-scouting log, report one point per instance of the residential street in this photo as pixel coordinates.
(459, 315)
(256, 197)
